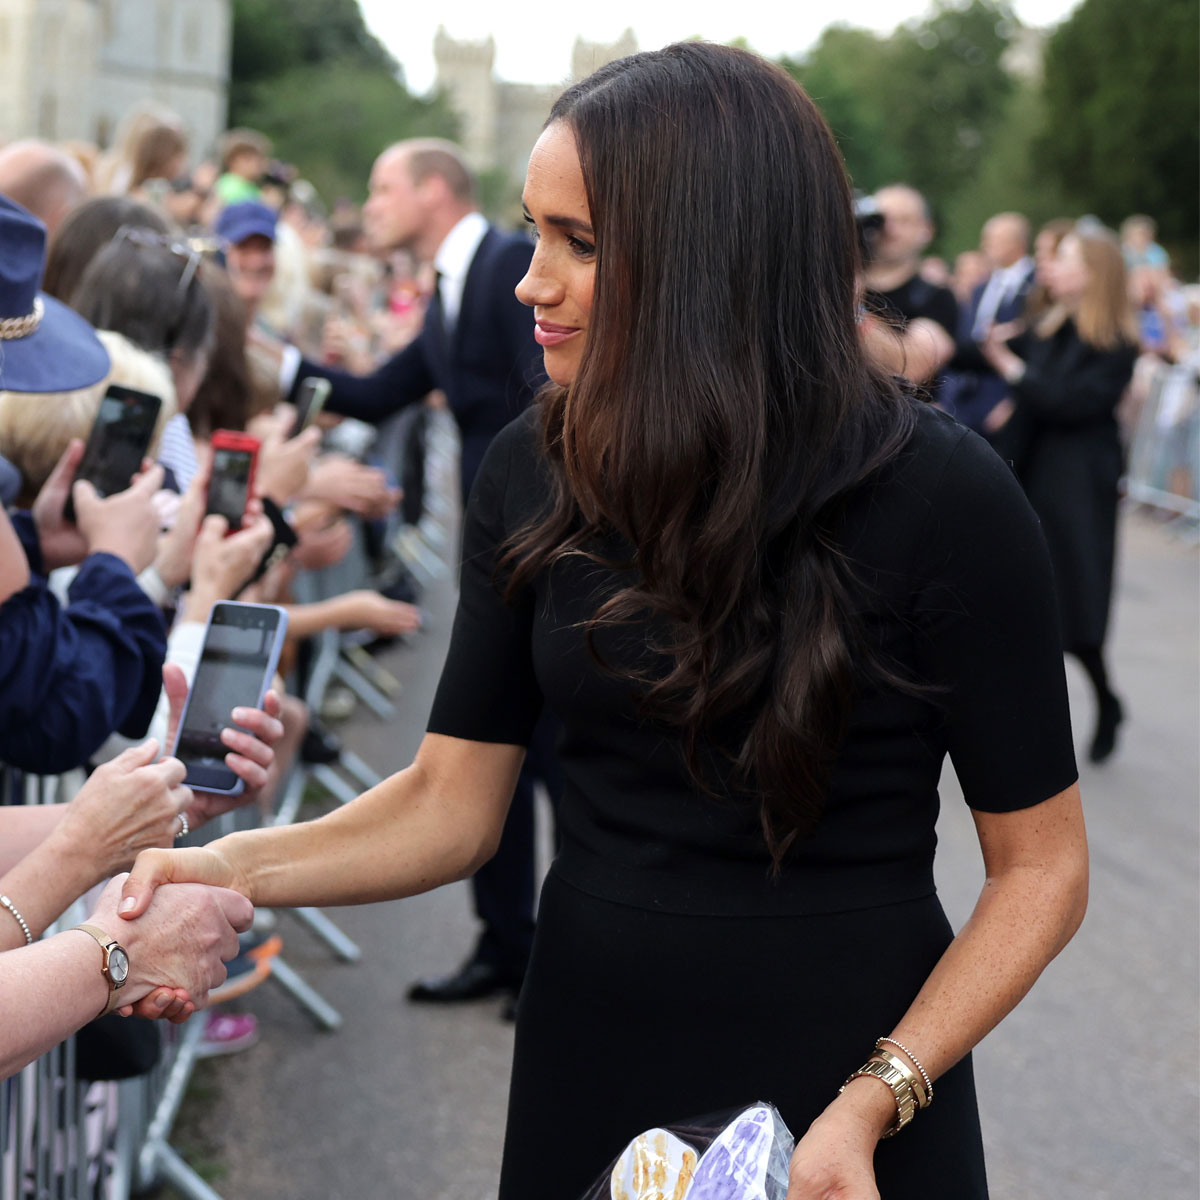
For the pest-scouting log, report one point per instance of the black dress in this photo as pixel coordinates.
(1064, 445)
(671, 976)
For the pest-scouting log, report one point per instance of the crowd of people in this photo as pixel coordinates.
(223, 285)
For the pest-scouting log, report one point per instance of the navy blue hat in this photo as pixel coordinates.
(247, 219)
(44, 346)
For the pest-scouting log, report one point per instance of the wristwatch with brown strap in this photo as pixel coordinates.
(115, 968)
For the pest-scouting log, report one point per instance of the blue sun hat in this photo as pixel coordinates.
(44, 345)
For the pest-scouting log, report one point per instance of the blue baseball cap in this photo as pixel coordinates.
(247, 219)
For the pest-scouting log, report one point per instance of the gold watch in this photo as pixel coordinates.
(116, 963)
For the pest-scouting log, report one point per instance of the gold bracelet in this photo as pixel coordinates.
(914, 1080)
(916, 1062)
(902, 1090)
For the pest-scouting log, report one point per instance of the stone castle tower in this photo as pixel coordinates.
(500, 121)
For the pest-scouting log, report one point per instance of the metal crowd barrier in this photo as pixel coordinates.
(1164, 452)
(63, 1138)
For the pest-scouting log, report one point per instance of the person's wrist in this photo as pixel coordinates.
(80, 860)
(866, 1105)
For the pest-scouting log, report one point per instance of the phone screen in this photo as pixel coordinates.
(118, 441)
(239, 657)
(310, 399)
(229, 484)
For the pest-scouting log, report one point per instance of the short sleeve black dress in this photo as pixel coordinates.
(672, 976)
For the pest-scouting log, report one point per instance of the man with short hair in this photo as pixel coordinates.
(973, 389)
(43, 180)
(476, 346)
(927, 315)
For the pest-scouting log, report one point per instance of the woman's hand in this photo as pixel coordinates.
(995, 349)
(834, 1160)
(62, 544)
(154, 868)
(250, 754)
(124, 524)
(178, 950)
(221, 564)
(353, 486)
(173, 561)
(365, 609)
(126, 806)
(284, 463)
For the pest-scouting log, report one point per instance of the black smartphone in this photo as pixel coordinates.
(118, 442)
(237, 663)
(310, 399)
(235, 458)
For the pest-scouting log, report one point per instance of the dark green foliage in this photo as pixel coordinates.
(1121, 121)
(1112, 130)
(311, 77)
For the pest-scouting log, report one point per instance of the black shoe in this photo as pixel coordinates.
(319, 746)
(1108, 718)
(474, 981)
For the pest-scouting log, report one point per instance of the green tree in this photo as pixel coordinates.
(311, 77)
(1121, 129)
(843, 74)
(921, 105)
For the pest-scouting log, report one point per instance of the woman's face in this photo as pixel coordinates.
(1068, 275)
(1045, 247)
(558, 286)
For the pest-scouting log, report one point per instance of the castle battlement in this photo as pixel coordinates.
(501, 120)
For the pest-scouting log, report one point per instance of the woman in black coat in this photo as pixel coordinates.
(1068, 374)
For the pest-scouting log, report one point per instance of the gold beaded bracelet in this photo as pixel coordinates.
(916, 1062)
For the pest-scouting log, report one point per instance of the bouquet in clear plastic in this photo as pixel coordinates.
(742, 1154)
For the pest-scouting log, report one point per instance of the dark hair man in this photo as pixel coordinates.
(476, 346)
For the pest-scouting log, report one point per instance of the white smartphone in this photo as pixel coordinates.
(237, 663)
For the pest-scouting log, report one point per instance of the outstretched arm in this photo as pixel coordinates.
(437, 821)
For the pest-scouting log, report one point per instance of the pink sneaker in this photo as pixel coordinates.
(227, 1033)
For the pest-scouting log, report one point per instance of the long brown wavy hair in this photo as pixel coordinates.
(723, 411)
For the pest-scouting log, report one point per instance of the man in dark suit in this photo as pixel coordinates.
(973, 389)
(477, 347)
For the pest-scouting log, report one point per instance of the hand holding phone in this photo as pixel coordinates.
(126, 524)
(241, 650)
(310, 400)
(119, 439)
(231, 479)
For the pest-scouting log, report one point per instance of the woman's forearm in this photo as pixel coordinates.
(433, 823)
(43, 884)
(1032, 902)
(47, 992)
(24, 827)
(1021, 921)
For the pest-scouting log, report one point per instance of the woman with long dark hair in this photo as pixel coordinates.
(765, 592)
(1068, 373)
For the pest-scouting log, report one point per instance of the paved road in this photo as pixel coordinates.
(1089, 1091)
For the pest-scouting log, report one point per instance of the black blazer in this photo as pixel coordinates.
(489, 366)
(973, 388)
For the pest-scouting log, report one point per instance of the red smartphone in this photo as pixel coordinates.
(231, 483)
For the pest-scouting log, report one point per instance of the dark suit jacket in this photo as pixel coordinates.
(489, 366)
(974, 389)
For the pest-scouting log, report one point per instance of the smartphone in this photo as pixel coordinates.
(118, 441)
(237, 663)
(231, 483)
(310, 399)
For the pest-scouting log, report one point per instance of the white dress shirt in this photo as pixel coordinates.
(1002, 285)
(453, 260)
